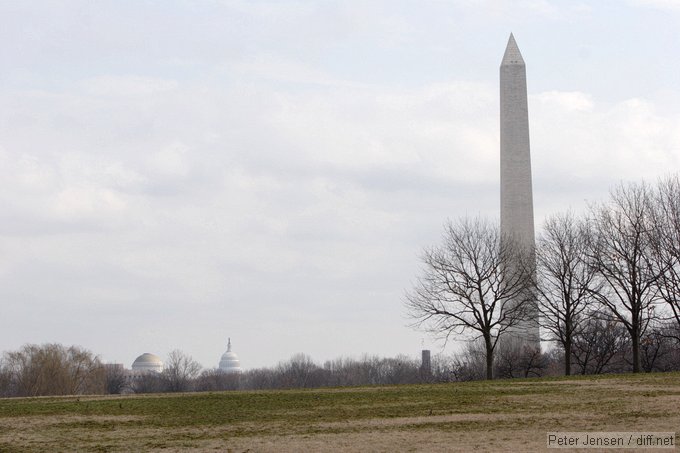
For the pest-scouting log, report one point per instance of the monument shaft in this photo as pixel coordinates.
(517, 207)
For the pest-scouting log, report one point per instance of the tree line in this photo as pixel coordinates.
(605, 284)
(54, 369)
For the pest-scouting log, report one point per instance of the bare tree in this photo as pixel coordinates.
(179, 371)
(259, 379)
(469, 364)
(6, 387)
(475, 284)
(53, 369)
(116, 381)
(622, 256)
(521, 362)
(657, 347)
(600, 346)
(400, 370)
(368, 370)
(85, 371)
(667, 245)
(299, 371)
(148, 382)
(216, 379)
(565, 281)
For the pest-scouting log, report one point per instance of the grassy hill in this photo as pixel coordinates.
(491, 416)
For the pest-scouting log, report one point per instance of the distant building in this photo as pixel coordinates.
(147, 362)
(425, 365)
(229, 363)
(115, 367)
(147, 366)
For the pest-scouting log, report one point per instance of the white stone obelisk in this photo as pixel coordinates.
(517, 207)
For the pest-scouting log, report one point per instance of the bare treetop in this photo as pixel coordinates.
(476, 284)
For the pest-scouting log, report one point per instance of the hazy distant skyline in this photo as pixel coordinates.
(175, 173)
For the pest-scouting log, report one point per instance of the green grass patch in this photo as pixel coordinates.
(180, 421)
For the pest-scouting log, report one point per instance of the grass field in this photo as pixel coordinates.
(511, 415)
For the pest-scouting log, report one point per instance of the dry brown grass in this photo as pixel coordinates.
(496, 416)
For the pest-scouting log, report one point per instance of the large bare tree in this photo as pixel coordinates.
(622, 256)
(476, 284)
(667, 247)
(565, 281)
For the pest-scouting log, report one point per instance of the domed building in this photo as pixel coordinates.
(229, 363)
(147, 362)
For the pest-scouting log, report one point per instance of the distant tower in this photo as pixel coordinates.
(517, 207)
(425, 365)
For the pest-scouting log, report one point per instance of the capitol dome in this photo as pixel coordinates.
(147, 362)
(229, 363)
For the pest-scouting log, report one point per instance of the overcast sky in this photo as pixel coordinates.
(173, 173)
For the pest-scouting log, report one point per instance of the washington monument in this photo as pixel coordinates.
(517, 207)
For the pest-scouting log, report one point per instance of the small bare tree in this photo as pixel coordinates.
(259, 378)
(476, 284)
(469, 364)
(565, 281)
(299, 371)
(658, 348)
(600, 346)
(116, 381)
(148, 382)
(521, 362)
(179, 371)
(216, 380)
(622, 257)
(6, 387)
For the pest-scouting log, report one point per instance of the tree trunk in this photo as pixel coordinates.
(567, 343)
(636, 350)
(489, 358)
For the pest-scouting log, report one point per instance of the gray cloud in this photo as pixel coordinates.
(270, 171)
